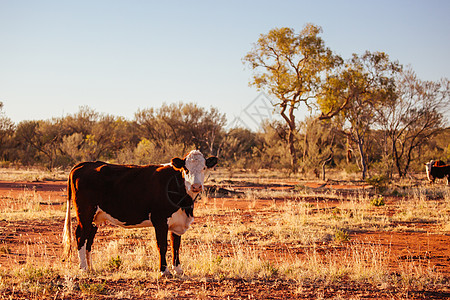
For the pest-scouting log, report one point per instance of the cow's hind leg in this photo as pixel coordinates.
(80, 233)
(85, 233)
(85, 237)
(176, 243)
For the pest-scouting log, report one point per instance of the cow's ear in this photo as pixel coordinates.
(178, 162)
(211, 161)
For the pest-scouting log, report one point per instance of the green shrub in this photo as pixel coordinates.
(379, 182)
(377, 201)
(114, 263)
(341, 236)
(95, 288)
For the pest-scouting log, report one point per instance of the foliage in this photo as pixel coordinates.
(377, 201)
(353, 93)
(290, 66)
(114, 263)
(379, 182)
(155, 136)
(319, 138)
(93, 288)
(237, 146)
(341, 236)
(272, 151)
(412, 118)
(186, 124)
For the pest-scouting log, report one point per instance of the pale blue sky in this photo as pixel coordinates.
(119, 56)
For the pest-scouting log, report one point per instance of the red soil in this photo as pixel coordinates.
(40, 239)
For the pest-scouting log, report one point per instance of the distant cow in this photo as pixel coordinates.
(133, 196)
(437, 169)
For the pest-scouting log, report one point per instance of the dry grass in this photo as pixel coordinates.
(31, 174)
(309, 241)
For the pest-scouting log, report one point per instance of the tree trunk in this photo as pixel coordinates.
(292, 151)
(360, 142)
(397, 159)
(323, 166)
(290, 120)
(305, 144)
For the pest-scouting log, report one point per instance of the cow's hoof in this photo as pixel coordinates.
(166, 273)
(178, 270)
(84, 269)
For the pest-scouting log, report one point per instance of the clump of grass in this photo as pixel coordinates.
(93, 288)
(377, 201)
(114, 263)
(341, 236)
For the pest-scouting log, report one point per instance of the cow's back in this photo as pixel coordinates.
(128, 193)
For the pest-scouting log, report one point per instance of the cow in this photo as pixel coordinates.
(437, 169)
(131, 196)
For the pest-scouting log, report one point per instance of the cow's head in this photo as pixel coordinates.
(193, 167)
(428, 166)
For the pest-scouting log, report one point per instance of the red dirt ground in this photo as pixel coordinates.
(38, 239)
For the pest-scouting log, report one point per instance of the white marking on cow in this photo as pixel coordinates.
(179, 222)
(195, 177)
(89, 259)
(82, 256)
(178, 270)
(102, 218)
(428, 166)
(165, 273)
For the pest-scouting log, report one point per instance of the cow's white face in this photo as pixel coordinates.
(428, 166)
(193, 167)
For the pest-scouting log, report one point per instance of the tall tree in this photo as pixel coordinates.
(353, 93)
(290, 67)
(412, 118)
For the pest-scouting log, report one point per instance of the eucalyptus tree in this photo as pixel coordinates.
(290, 66)
(362, 85)
(416, 115)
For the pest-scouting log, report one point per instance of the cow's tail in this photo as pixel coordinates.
(67, 233)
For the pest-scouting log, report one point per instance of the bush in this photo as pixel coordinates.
(379, 182)
(341, 236)
(377, 201)
(114, 263)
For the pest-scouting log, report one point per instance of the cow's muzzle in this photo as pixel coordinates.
(196, 188)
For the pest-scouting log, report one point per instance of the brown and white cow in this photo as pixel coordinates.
(437, 169)
(133, 196)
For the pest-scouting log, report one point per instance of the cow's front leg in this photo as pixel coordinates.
(176, 242)
(161, 230)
